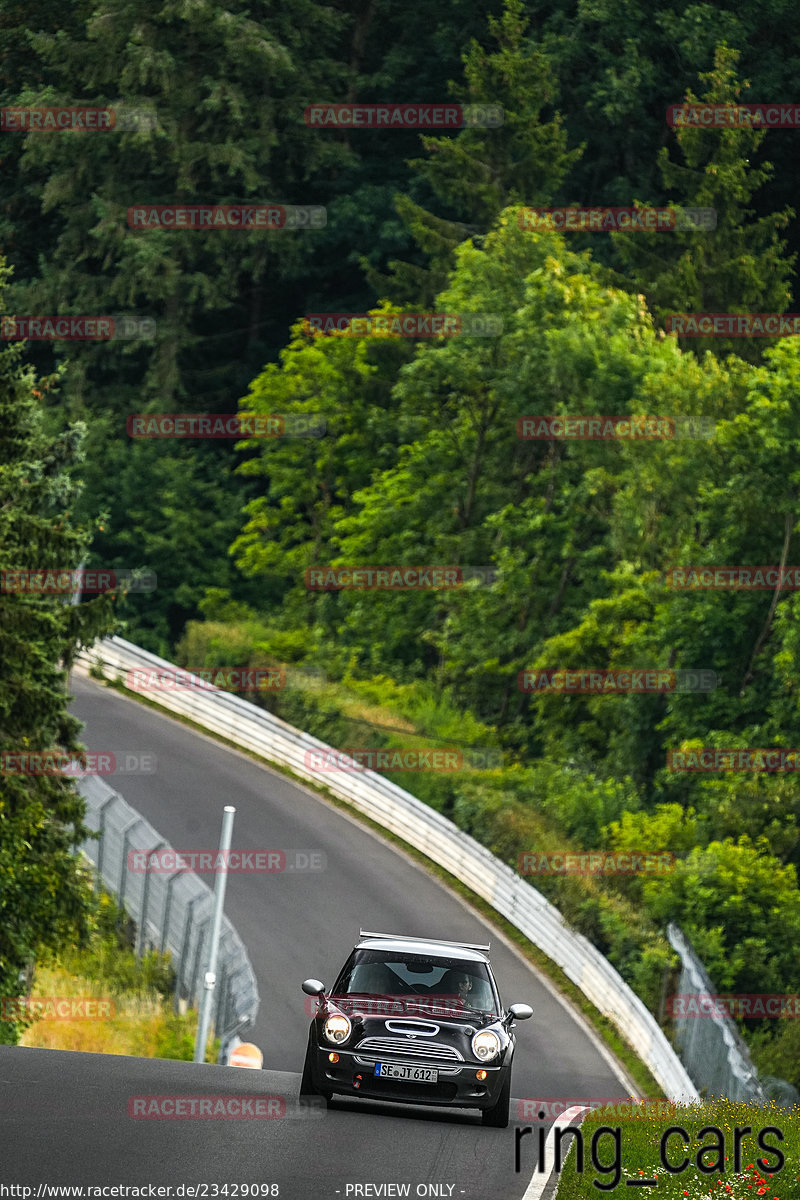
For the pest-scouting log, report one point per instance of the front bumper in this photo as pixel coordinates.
(457, 1085)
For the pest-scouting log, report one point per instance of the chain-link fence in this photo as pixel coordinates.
(173, 912)
(711, 1047)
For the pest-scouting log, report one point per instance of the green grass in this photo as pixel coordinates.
(640, 1139)
(137, 1016)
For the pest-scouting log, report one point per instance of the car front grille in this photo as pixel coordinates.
(405, 1048)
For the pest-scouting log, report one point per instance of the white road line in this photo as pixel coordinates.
(539, 1181)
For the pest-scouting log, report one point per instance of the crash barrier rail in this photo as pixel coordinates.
(172, 911)
(712, 1049)
(267, 736)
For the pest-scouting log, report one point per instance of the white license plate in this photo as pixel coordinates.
(398, 1071)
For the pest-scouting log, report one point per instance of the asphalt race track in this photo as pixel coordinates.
(64, 1117)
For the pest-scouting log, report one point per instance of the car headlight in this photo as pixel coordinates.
(485, 1045)
(337, 1028)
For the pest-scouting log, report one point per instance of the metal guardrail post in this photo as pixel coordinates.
(194, 983)
(145, 891)
(187, 933)
(168, 907)
(210, 977)
(225, 1021)
(226, 1012)
(101, 829)
(123, 874)
(220, 990)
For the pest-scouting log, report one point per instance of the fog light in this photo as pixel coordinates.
(335, 1058)
(480, 1074)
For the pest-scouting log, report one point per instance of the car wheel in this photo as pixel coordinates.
(497, 1116)
(307, 1086)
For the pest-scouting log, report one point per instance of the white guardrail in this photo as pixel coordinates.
(265, 735)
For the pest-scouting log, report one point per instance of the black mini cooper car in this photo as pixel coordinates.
(416, 1022)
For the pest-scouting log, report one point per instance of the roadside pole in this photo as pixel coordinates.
(219, 901)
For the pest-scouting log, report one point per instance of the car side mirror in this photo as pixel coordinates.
(313, 987)
(518, 1012)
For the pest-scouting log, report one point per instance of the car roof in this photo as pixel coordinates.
(431, 948)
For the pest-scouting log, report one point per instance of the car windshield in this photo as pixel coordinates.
(458, 983)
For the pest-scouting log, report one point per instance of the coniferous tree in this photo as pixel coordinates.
(741, 264)
(483, 169)
(44, 888)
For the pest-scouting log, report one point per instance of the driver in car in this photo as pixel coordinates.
(462, 985)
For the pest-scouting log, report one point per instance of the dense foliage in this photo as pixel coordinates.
(45, 893)
(422, 462)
